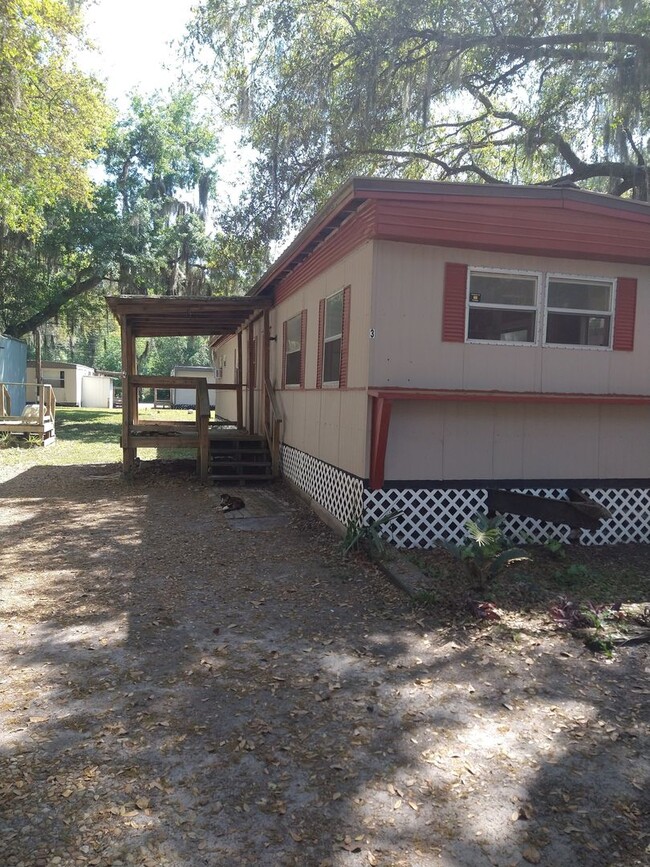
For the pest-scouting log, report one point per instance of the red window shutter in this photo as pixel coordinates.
(454, 302)
(321, 337)
(303, 341)
(625, 314)
(345, 339)
(284, 354)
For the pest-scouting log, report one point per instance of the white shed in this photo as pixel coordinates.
(186, 397)
(97, 392)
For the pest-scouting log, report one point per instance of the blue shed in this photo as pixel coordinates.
(13, 365)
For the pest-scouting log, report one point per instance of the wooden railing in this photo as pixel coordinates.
(201, 425)
(46, 403)
(5, 401)
(272, 424)
(36, 419)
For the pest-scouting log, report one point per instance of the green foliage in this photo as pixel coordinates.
(555, 548)
(516, 92)
(367, 537)
(7, 440)
(483, 554)
(578, 615)
(573, 575)
(53, 117)
(144, 231)
(426, 598)
(589, 621)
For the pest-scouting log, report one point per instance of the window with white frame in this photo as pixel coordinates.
(293, 351)
(502, 306)
(332, 339)
(579, 311)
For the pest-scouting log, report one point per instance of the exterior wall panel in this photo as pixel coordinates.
(409, 350)
(73, 374)
(329, 423)
(509, 441)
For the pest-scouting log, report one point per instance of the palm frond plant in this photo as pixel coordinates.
(367, 537)
(483, 553)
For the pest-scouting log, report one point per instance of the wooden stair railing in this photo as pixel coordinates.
(272, 424)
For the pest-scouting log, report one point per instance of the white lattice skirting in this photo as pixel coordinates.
(432, 516)
(335, 490)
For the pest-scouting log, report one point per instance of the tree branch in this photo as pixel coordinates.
(588, 37)
(79, 287)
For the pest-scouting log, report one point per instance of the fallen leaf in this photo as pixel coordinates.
(531, 854)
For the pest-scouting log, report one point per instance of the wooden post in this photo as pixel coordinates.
(128, 391)
(38, 373)
(240, 396)
(203, 425)
(266, 365)
(251, 383)
(41, 405)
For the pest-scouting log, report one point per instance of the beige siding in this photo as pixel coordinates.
(451, 441)
(329, 423)
(408, 350)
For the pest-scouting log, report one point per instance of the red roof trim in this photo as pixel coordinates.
(329, 234)
(356, 230)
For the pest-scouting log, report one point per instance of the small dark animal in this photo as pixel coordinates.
(231, 504)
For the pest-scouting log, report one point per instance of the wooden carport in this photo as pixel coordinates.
(175, 316)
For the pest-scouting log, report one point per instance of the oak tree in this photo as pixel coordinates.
(53, 117)
(501, 91)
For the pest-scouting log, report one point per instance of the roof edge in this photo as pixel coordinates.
(358, 190)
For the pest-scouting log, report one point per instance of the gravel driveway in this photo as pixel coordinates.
(178, 688)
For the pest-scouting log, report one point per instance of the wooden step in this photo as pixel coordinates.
(240, 458)
(224, 464)
(239, 477)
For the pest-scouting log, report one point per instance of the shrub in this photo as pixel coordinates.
(483, 554)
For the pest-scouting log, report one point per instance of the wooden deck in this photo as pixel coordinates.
(141, 316)
(36, 420)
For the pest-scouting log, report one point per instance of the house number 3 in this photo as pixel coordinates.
(372, 333)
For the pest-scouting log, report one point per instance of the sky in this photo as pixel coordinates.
(133, 38)
(133, 41)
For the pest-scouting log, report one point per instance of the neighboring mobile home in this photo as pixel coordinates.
(73, 384)
(433, 341)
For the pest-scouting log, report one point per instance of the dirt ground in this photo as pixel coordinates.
(180, 689)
